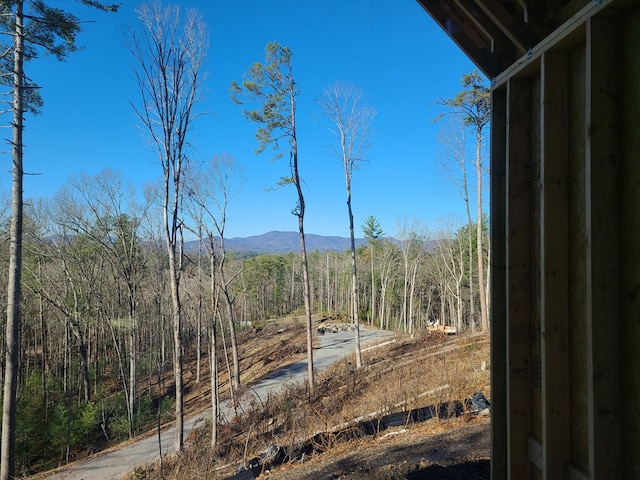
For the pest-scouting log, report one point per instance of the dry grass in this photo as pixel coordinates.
(261, 350)
(402, 377)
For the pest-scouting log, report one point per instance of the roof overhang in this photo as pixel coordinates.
(496, 33)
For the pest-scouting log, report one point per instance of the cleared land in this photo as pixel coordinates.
(339, 430)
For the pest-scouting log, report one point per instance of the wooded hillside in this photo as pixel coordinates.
(97, 309)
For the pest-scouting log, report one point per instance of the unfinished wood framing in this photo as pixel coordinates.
(498, 281)
(602, 153)
(518, 179)
(554, 265)
(565, 231)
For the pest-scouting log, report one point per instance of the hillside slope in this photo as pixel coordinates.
(327, 433)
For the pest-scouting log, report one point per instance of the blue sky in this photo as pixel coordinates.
(391, 50)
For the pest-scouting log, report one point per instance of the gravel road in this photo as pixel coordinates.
(117, 463)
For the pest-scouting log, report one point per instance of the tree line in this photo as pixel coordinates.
(97, 325)
(102, 298)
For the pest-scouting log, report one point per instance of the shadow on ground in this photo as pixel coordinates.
(478, 469)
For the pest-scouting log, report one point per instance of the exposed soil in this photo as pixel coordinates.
(430, 370)
(261, 350)
(449, 450)
(440, 448)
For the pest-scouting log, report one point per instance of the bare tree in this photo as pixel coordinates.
(453, 165)
(169, 55)
(111, 219)
(388, 271)
(412, 236)
(272, 86)
(349, 120)
(450, 249)
(210, 189)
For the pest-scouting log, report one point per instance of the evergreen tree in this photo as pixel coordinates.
(34, 27)
(272, 86)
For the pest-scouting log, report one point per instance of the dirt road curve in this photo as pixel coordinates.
(119, 462)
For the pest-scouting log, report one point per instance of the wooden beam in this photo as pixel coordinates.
(629, 239)
(554, 285)
(603, 257)
(498, 288)
(559, 35)
(462, 30)
(479, 19)
(516, 30)
(518, 275)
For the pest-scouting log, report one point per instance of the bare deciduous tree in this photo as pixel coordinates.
(169, 55)
(349, 120)
(453, 165)
(210, 189)
(412, 236)
(112, 220)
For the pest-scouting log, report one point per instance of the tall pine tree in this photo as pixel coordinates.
(33, 28)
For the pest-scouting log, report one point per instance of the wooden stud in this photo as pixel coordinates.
(518, 274)
(603, 256)
(498, 288)
(554, 286)
(629, 239)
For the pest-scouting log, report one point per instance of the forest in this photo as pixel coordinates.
(101, 295)
(96, 320)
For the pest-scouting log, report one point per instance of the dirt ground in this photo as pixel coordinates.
(456, 449)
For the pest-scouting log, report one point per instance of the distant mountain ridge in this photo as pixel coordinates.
(283, 242)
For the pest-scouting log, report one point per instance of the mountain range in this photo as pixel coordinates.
(283, 242)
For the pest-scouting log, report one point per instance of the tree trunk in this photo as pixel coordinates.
(177, 350)
(354, 277)
(199, 313)
(224, 286)
(213, 361)
(411, 297)
(481, 287)
(8, 451)
(171, 232)
(307, 303)
(472, 305)
(303, 247)
(132, 360)
(234, 340)
(373, 288)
